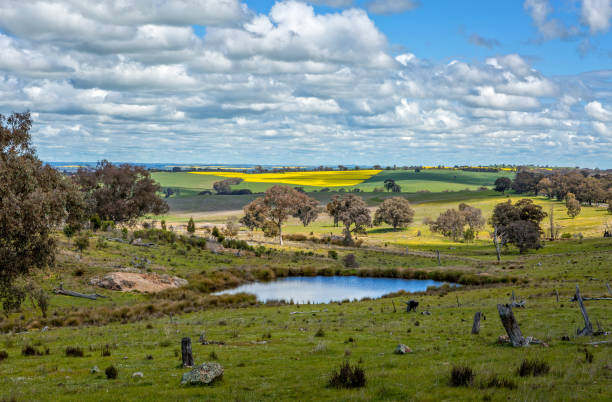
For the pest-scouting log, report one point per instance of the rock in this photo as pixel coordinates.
(133, 281)
(95, 370)
(44, 329)
(205, 373)
(138, 374)
(426, 312)
(402, 349)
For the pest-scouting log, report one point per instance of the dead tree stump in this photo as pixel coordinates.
(186, 353)
(510, 325)
(476, 325)
(588, 327)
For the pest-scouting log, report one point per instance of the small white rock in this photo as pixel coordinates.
(138, 374)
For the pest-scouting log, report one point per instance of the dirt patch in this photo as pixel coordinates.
(141, 282)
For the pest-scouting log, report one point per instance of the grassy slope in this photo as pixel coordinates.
(294, 363)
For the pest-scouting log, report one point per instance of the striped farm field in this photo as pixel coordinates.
(316, 178)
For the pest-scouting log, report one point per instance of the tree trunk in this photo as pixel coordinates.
(186, 352)
(348, 239)
(496, 245)
(280, 233)
(476, 325)
(510, 325)
(588, 327)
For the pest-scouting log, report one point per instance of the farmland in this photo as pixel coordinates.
(279, 351)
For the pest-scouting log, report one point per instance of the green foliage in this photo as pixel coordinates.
(95, 222)
(332, 254)
(191, 226)
(69, 230)
(82, 242)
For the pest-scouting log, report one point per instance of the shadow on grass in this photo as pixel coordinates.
(385, 230)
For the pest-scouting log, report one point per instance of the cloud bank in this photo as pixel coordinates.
(129, 82)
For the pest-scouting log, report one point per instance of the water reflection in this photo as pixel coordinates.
(324, 289)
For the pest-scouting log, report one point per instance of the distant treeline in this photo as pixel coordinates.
(588, 186)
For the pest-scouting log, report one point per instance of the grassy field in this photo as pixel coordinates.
(272, 354)
(280, 351)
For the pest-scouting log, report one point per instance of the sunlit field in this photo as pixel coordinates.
(319, 179)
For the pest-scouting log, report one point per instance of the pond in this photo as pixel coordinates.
(324, 289)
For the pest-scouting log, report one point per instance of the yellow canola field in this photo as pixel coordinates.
(318, 179)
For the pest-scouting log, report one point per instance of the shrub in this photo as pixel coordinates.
(332, 254)
(82, 242)
(566, 235)
(348, 377)
(320, 333)
(111, 372)
(3, 355)
(495, 381)
(462, 376)
(213, 355)
(30, 350)
(106, 351)
(74, 351)
(69, 231)
(533, 368)
(350, 261)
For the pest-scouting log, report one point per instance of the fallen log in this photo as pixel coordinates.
(62, 291)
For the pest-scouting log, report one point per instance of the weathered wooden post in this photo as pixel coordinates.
(510, 325)
(186, 353)
(588, 327)
(438, 255)
(557, 293)
(476, 325)
(609, 290)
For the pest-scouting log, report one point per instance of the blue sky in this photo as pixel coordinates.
(312, 82)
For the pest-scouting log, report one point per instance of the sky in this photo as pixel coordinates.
(406, 82)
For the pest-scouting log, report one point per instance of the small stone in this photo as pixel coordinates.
(402, 349)
(138, 374)
(426, 312)
(95, 370)
(44, 329)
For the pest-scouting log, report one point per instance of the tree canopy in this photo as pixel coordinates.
(35, 199)
(120, 193)
(519, 223)
(351, 210)
(272, 210)
(395, 211)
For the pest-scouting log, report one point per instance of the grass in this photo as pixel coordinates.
(297, 352)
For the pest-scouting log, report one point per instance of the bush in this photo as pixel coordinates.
(332, 254)
(82, 242)
(30, 350)
(320, 333)
(533, 368)
(96, 222)
(350, 261)
(69, 231)
(106, 351)
(462, 376)
(3, 355)
(348, 377)
(495, 381)
(74, 351)
(566, 235)
(111, 372)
